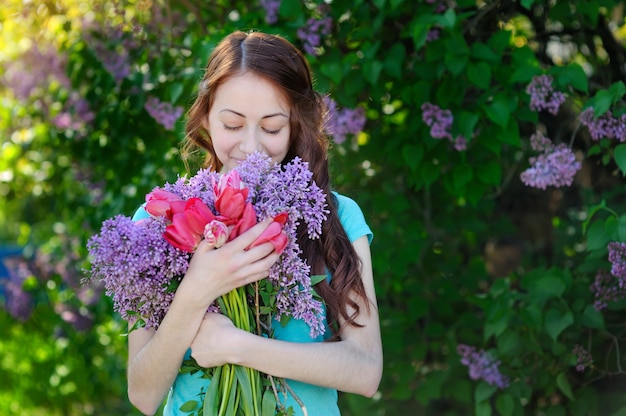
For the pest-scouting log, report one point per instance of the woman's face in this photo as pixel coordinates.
(248, 114)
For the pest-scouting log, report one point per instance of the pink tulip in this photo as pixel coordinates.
(160, 203)
(187, 227)
(274, 234)
(180, 233)
(216, 233)
(230, 195)
(198, 215)
(245, 222)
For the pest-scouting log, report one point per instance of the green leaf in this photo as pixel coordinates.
(619, 155)
(465, 122)
(371, 71)
(290, 10)
(268, 407)
(479, 74)
(420, 34)
(484, 391)
(527, 4)
(499, 110)
(211, 398)
(412, 155)
(315, 279)
(482, 52)
(489, 172)
(544, 284)
(592, 318)
(245, 387)
(571, 75)
(604, 99)
(563, 384)
(505, 404)
(556, 322)
(189, 406)
(598, 236)
(621, 228)
(394, 61)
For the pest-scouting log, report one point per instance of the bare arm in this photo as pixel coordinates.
(156, 356)
(353, 364)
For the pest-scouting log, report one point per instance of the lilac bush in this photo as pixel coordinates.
(482, 366)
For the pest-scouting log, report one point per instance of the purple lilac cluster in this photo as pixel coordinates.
(342, 122)
(583, 358)
(311, 34)
(611, 286)
(271, 10)
(136, 265)
(605, 126)
(606, 289)
(554, 166)
(19, 302)
(163, 112)
(482, 366)
(617, 257)
(543, 96)
(440, 123)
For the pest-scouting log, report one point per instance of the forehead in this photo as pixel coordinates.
(250, 93)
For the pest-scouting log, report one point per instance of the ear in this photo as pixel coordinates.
(205, 122)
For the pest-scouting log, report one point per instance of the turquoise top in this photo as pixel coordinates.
(319, 401)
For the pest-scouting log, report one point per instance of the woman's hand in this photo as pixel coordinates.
(213, 342)
(214, 272)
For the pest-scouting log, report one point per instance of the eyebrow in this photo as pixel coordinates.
(243, 116)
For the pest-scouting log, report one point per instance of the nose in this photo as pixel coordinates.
(250, 141)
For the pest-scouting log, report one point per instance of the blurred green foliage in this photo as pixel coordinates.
(464, 253)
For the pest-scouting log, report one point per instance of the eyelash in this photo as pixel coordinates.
(272, 132)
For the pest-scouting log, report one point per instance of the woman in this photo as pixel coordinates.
(257, 95)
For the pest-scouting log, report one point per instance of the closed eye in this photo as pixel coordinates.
(232, 128)
(274, 132)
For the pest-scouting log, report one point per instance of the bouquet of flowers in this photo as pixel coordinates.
(142, 262)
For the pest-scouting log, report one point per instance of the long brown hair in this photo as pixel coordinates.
(278, 61)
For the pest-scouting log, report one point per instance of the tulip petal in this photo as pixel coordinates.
(247, 220)
(179, 234)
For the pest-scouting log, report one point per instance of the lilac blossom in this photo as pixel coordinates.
(583, 358)
(611, 286)
(439, 120)
(271, 8)
(163, 112)
(440, 123)
(137, 264)
(543, 96)
(605, 126)
(606, 289)
(554, 166)
(19, 302)
(482, 366)
(311, 34)
(342, 122)
(617, 257)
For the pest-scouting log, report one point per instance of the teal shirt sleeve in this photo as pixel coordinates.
(352, 218)
(140, 214)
